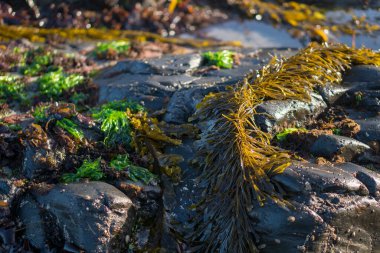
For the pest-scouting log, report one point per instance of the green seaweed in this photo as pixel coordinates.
(12, 88)
(89, 169)
(71, 128)
(123, 105)
(281, 136)
(53, 84)
(40, 113)
(118, 46)
(135, 173)
(116, 127)
(223, 59)
(39, 63)
(337, 131)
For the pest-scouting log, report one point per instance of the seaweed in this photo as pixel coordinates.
(37, 61)
(117, 48)
(71, 128)
(281, 136)
(89, 169)
(239, 159)
(53, 84)
(116, 127)
(8, 32)
(135, 173)
(12, 88)
(40, 113)
(223, 59)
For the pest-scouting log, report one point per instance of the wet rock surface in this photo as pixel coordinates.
(93, 216)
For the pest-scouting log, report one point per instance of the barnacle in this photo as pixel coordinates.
(239, 158)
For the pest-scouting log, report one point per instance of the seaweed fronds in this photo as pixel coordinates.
(89, 169)
(135, 173)
(223, 59)
(239, 158)
(41, 34)
(281, 136)
(116, 127)
(12, 88)
(36, 61)
(71, 128)
(112, 49)
(53, 84)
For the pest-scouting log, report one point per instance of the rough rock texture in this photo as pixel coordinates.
(274, 114)
(92, 216)
(330, 145)
(331, 209)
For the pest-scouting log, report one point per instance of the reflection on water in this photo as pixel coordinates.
(252, 33)
(257, 34)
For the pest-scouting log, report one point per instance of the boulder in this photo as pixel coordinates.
(93, 216)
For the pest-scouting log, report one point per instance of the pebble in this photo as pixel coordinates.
(291, 219)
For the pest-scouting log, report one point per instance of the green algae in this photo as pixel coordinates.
(223, 59)
(89, 169)
(71, 128)
(135, 173)
(12, 88)
(119, 47)
(281, 136)
(53, 84)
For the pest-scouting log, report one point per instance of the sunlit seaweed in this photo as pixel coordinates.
(239, 158)
(89, 169)
(8, 33)
(53, 84)
(223, 59)
(12, 88)
(135, 173)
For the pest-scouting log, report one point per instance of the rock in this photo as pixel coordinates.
(93, 216)
(330, 145)
(33, 165)
(331, 216)
(369, 129)
(362, 73)
(166, 65)
(307, 177)
(332, 92)
(275, 113)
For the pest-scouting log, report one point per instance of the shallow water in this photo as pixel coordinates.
(258, 34)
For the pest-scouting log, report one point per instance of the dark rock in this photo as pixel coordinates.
(330, 145)
(307, 177)
(332, 92)
(94, 216)
(33, 165)
(167, 65)
(321, 216)
(275, 113)
(362, 73)
(369, 178)
(369, 129)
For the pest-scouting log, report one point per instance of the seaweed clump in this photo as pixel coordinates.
(222, 59)
(239, 158)
(89, 169)
(112, 49)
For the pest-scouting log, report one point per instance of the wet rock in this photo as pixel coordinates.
(34, 162)
(369, 178)
(326, 212)
(369, 129)
(332, 92)
(275, 113)
(362, 73)
(307, 177)
(183, 103)
(92, 216)
(330, 145)
(167, 65)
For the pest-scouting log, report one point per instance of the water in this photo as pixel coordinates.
(258, 34)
